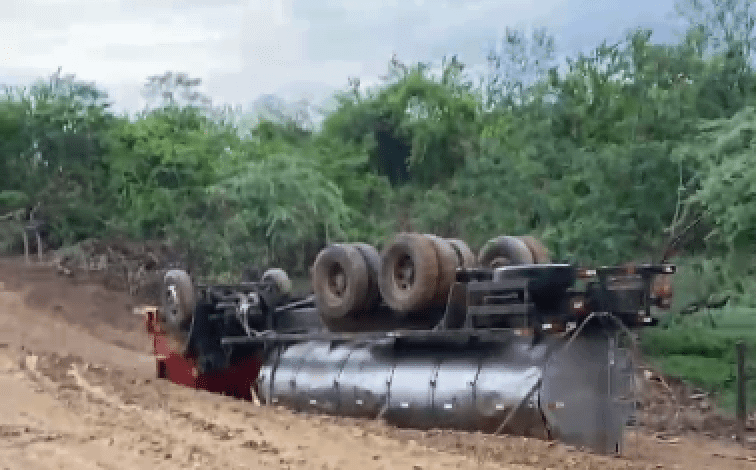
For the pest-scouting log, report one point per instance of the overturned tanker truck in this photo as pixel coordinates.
(424, 335)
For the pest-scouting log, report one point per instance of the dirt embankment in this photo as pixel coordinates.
(78, 392)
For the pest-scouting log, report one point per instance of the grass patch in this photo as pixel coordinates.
(700, 349)
(708, 372)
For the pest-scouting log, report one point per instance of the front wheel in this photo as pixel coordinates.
(278, 278)
(178, 307)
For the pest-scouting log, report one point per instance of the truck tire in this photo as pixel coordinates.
(539, 251)
(340, 281)
(409, 273)
(447, 268)
(178, 309)
(465, 255)
(178, 300)
(504, 251)
(373, 260)
(279, 279)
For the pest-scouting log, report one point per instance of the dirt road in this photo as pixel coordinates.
(78, 392)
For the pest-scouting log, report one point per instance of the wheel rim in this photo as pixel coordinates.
(404, 273)
(337, 281)
(171, 302)
(500, 262)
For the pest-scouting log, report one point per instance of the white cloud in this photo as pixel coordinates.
(244, 48)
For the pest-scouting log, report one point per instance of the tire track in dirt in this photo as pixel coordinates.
(133, 428)
(205, 431)
(187, 427)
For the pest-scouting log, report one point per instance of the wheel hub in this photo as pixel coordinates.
(171, 301)
(337, 280)
(404, 273)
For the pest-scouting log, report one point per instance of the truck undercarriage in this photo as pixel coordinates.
(425, 336)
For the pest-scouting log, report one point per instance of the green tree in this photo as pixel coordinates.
(416, 127)
(53, 135)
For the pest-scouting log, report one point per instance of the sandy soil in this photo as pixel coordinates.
(78, 392)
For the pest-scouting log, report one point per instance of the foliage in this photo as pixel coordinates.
(274, 209)
(722, 155)
(160, 164)
(605, 159)
(417, 127)
(51, 140)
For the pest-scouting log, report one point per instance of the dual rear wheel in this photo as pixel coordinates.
(412, 277)
(415, 273)
(345, 281)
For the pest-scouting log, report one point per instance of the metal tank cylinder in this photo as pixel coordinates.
(556, 388)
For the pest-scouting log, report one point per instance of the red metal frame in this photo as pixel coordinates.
(237, 380)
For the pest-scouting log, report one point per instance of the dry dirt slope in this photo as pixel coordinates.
(77, 392)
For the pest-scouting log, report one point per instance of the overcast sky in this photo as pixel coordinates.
(294, 48)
